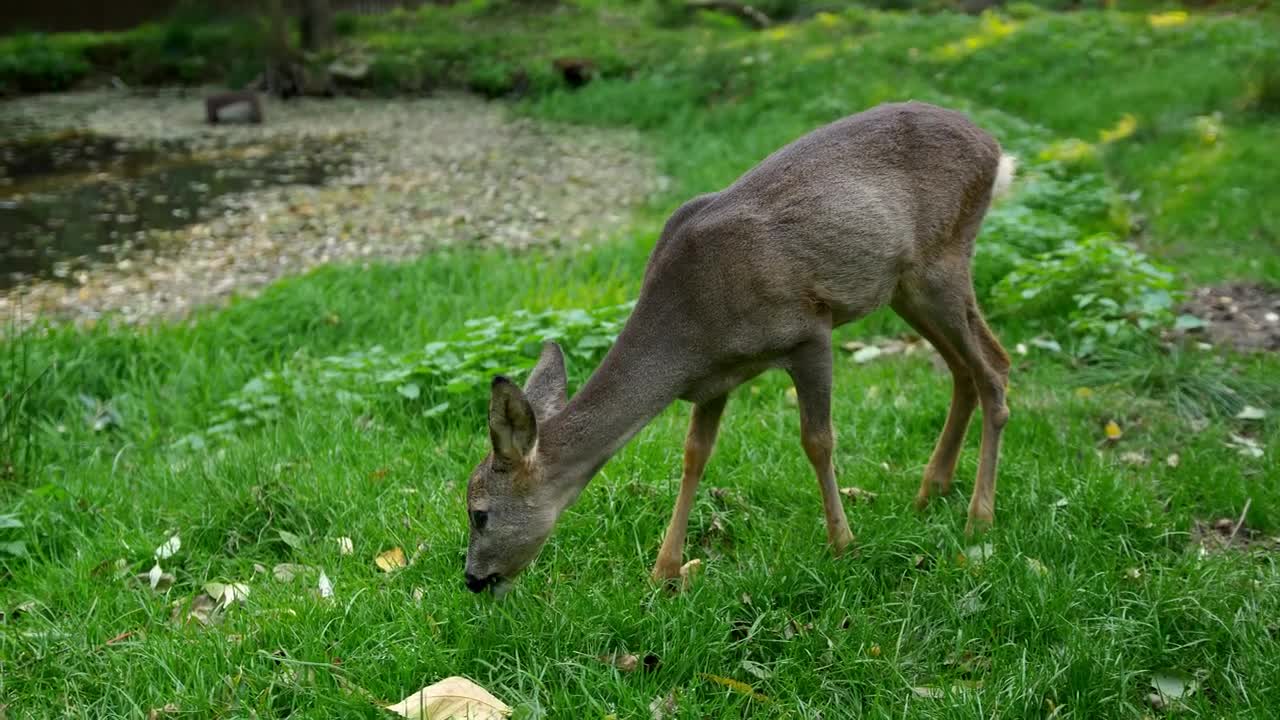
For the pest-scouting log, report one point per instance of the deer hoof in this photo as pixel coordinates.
(978, 524)
(665, 572)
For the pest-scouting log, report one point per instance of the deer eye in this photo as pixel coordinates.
(478, 519)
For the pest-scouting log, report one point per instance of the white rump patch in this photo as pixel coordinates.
(1004, 175)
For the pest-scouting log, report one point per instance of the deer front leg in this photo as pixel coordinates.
(697, 448)
(810, 369)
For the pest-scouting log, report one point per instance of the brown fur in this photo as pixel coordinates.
(880, 208)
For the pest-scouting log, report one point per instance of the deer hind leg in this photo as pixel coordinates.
(941, 469)
(944, 299)
(810, 369)
(698, 444)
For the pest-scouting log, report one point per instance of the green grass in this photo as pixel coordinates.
(1124, 593)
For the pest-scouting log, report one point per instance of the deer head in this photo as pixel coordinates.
(513, 499)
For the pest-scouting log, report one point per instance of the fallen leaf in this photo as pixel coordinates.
(168, 709)
(1020, 348)
(345, 546)
(664, 706)
(1113, 430)
(930, 692)
(226, 593)
(418, 594)
(1037, 567)
(689, 571)
(1173, 685)
(1249, 412)
(454, 698)
(158, 579)
(858, 494)
(791, 396)
(874, 651)
(119, 638)
(754, 668)
(1246, 446)
(1135, 458)
(736, 685)
(626, 662)
(853, 346)
(1173, 460)
(1133, 573)
(978, 554)
(290, 539)
(1047, 344)
(203, 609)
(286, 572)
(325, 586)
(867, 354)
(391, 560)
(170, 546)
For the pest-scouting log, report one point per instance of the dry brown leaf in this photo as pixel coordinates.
(626, 662)
(391, 560)
(454, 698)
(168, 709)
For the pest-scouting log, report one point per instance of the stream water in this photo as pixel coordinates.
(71, 199)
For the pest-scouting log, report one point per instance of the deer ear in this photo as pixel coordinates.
(512, 426)
(546, 387)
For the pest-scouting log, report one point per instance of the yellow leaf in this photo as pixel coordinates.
(391, 560)
(454, 698)
(1121, 130)
(1173, 18)
(1113, 430)
(737, 686)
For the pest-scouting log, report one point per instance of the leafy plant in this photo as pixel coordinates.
(444, 376)
(1097, 288)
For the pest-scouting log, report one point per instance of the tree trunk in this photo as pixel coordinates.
(317, 25)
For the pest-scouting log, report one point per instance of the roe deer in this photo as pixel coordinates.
(881, 207)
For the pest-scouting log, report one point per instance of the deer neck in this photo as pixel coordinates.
(638, 378)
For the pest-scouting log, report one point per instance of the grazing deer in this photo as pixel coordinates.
(879, 208)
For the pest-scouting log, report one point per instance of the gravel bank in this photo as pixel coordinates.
(427, 173)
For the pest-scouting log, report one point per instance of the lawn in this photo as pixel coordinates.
(349, 403)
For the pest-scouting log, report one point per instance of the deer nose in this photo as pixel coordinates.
(480, 584)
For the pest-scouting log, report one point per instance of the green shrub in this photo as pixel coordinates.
(1097, 289)
(444, 376)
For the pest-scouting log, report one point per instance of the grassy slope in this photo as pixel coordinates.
(841, 638)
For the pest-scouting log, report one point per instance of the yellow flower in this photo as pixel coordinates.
(1071, 150)
(1122, 129)
(827, 20)
(779, 33)
(991, 30)
(1173, 18)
